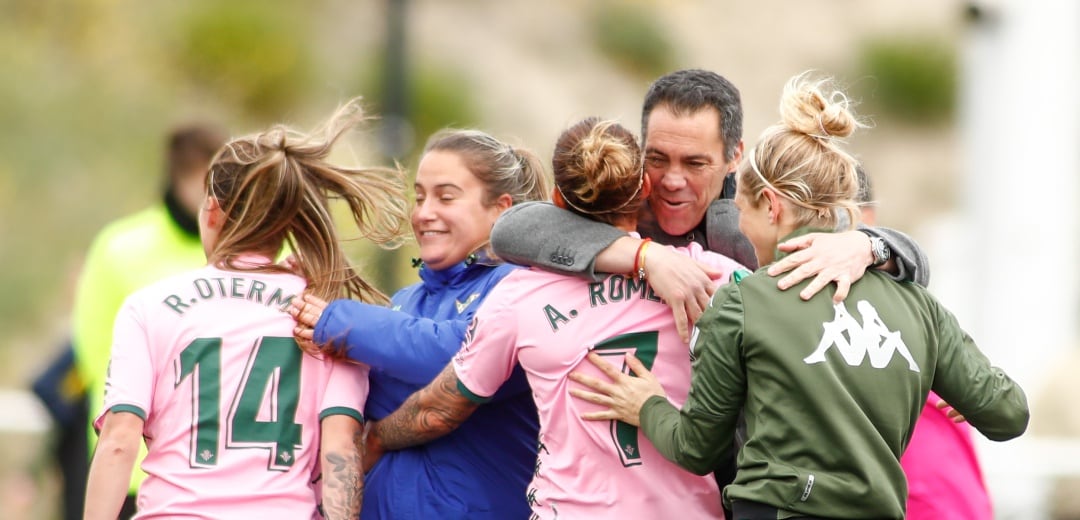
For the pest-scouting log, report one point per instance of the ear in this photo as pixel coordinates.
(556, 199)
(646, 186)
(737, 158)
(776, 206)
(504, 202)
(212, 212)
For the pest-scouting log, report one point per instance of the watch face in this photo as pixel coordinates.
(880, 250)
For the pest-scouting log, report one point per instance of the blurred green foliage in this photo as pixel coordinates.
(436, 97)
(630, 36)
(255, 53)
(914, 79)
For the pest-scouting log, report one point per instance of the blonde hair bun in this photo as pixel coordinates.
(815, 107)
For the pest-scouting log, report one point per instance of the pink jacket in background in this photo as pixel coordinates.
(945, 481)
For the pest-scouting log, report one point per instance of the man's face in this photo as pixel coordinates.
(684, 158)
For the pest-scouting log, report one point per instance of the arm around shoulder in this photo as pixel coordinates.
(912, 264)
(410, 348)
(542, 235)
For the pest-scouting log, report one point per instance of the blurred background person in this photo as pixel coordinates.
(865, 199)
(63, 393)
(465, 180)
(136, 250)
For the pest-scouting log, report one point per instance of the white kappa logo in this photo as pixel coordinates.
(871, 337)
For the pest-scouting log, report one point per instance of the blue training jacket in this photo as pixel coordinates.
(482, 469)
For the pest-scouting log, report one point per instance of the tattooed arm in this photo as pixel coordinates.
(430, 413)
(342, 459)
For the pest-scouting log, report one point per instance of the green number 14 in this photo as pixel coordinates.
(273, 372)
(644, 346)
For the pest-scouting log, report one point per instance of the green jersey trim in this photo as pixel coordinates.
(341, 410)
(129, 409)
(470, 395)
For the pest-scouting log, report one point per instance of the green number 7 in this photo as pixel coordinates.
(644, 346)
(274, 365)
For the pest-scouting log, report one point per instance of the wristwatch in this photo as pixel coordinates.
(880, 250)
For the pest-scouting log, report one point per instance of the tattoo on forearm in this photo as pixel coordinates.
(430, 413)
(343, 489)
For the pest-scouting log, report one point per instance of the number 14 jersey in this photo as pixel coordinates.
(232, 405)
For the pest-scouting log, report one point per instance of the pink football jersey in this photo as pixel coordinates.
(232, 404)
(548, 323)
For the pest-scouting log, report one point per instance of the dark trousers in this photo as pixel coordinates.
(73, 458)
(128, 510)
(743, 510)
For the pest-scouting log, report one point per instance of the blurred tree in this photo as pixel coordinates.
(913, 78)
(436, 97)
(255, 53)
(629, 35)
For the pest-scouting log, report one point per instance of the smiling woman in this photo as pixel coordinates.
(455, 208)
(465, 180)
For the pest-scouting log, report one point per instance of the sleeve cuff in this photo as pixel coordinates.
(342, 410)
(470, 395)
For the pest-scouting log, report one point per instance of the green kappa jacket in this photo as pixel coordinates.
(831, 392)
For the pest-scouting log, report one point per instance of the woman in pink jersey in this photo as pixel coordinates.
(237, 418)
(548, 323)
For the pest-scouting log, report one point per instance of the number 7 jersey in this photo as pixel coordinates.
(231, 403)
(549, 323)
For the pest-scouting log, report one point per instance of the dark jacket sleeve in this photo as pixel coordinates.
(542, 235)
(408, 348)
(990, 401)
(912, 262)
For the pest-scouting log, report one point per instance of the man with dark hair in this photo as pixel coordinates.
(138, 249)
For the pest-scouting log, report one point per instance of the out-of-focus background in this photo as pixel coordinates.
(974, 149)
